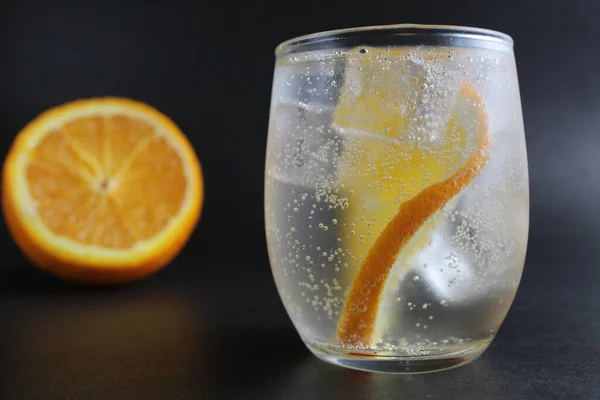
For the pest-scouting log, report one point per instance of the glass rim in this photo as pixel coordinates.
(398, 34)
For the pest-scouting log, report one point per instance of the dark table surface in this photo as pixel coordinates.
(216, 332)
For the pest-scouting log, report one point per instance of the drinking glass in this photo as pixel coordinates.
(396, 193)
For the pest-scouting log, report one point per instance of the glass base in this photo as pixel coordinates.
(399, 364)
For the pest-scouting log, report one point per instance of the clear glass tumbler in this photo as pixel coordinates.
(396, 193)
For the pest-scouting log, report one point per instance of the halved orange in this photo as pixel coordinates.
(101, 190)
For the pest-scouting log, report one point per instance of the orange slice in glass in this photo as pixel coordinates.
(397, 175)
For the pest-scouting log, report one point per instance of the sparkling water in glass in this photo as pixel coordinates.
(396, 193)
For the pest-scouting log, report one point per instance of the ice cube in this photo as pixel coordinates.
(302, 148)
(311, 82)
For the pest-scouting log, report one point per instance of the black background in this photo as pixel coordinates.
(211, 324)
